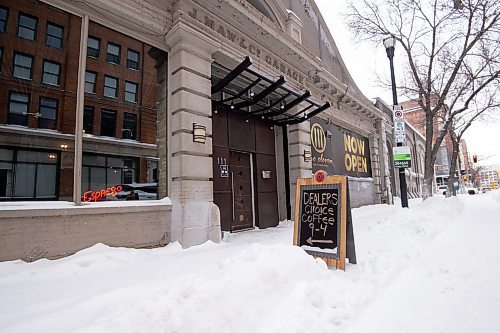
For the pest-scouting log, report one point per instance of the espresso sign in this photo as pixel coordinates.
(321, 213)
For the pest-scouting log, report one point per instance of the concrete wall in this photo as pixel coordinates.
(31, 234)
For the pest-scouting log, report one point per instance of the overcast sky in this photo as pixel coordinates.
(364, 61)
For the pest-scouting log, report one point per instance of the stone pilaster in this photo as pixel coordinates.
(299, 139)
(376, 172)
(384, 162)
(195, 218)
(161, 122)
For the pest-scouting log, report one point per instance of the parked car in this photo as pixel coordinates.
(441, 189)
(472, 190)
(138, 191)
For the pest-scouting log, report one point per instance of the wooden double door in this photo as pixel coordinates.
(244, 167)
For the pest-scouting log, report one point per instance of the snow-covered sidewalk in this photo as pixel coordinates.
(430, 268)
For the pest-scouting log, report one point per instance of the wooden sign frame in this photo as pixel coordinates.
(330, 182)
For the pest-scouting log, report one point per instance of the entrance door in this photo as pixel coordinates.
(244, 171)
(240, 168)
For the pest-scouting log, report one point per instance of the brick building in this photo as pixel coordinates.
(39, 58)
(415, 116)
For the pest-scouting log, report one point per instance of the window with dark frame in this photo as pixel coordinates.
(23, 65)
(108, 123)
(28, 174)
(51, 72)
(132, 59)
(129, 130)
(4, 15)
(113, 53)
(103, 171)
(54, 35)
(26, 26)
(93, 47)
(110, 86)
(131, 92)
(18, 108)
(90, 79)
(88, 119)
(48, 113)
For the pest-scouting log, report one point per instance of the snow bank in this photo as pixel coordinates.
(417, 269)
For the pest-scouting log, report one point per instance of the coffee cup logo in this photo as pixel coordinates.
(318, 138)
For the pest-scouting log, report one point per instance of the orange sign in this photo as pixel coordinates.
(94, 196)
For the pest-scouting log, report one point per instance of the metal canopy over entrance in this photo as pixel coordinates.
(247, 92)
(258, 98)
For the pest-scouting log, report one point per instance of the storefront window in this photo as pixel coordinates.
(27, 174)
(103, 177)
(39, 144)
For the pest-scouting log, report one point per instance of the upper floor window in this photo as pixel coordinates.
(23, 65)
(26, 27)
(110, 86)
(51, 72)
(93, 46)
(18, 108)
(129, 126)
(90, 78)
(54, 35)
(132, 59)
(47, 113)
(4, 14)
(88, 119)
(108, 123)
(113, 53)
(131, 92)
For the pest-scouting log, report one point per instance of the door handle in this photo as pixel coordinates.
(232, 191)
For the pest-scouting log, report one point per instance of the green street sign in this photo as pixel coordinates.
(402, 157)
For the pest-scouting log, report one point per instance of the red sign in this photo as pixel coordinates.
(94, 196)
(320, 176)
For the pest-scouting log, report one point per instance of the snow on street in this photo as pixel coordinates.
(431, 268)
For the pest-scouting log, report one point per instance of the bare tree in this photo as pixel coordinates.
(452, 52)
(462, 123)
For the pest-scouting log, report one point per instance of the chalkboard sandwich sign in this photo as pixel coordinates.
(323, 219)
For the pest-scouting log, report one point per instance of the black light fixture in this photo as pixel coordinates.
(390, 44)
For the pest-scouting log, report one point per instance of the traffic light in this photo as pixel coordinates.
(474, 158)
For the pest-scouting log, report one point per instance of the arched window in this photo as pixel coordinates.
(264, 8)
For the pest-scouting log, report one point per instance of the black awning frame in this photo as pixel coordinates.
(274, 112)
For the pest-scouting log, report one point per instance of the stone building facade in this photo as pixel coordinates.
(234, 135)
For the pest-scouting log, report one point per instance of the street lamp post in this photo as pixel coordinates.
(389, 44)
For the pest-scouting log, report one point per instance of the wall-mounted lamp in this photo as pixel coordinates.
(199, 133)
(307, 155)
(64, 146)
